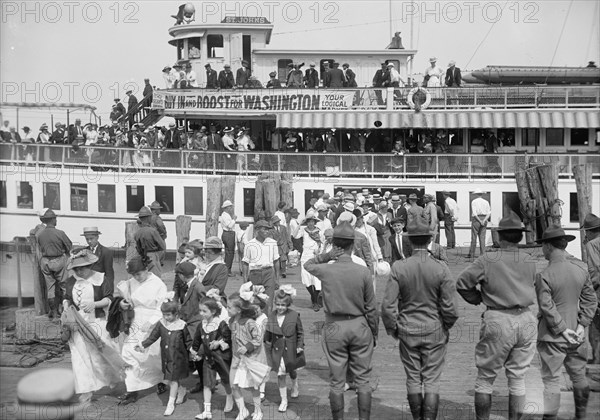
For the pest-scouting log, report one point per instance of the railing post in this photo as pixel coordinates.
(470, 163)
(278, 162)
(390, 99)
(475, 97)
(372, 166)
(309, 165)
(505, 98)
(119, 159)
(566, 98)
(404, 165)
(437, 166)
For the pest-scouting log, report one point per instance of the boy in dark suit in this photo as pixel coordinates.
(104, 254)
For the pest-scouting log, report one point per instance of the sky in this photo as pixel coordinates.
(92, 51)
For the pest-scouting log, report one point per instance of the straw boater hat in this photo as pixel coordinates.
(591, 221)
(433, 60)
(510, 222)
(83, 258)
(554, 232)
(347, 217)
(92, 230)
(478, 191)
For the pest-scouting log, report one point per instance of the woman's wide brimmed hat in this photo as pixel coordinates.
(83, 258)
(213, 242)
(304, 222)
(554, 232)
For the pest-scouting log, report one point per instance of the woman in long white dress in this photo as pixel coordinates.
(144, 292)
(96, 364)
(312, 242)
(434, 75)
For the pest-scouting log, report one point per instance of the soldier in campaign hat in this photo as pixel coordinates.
(504, 283)
(149, 243)
(567, 304)
(55, 248)
(351, 314)
(418, 310)
(591, 230)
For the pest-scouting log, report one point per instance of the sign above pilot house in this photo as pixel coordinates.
(258, 100)
(247, 20)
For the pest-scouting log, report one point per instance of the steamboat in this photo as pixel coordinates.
(551, 122)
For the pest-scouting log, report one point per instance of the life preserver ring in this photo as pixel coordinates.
(411, 102)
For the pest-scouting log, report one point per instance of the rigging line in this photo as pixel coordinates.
(486, 35)
(560, 37)
(594, 23)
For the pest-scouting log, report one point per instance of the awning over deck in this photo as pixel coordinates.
(564, 118)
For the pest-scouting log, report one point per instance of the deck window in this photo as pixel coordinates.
(79, 197)
(106, 199)
(580, 137)
(3, 194)
(477, 137)
(135, 198)
(531, 137)
(164, 196)
(455, 137)
(506, 137)
(192, 197)
(215, 46)
(249, 202)
(555, 137)
(52, 195)
(24, 195)
(282, 69)
(573, 208)
(180, 51)
(194, 47)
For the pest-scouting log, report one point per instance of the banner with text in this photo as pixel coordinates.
(255, 100)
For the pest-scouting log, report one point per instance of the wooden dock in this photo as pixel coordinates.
(389, 401)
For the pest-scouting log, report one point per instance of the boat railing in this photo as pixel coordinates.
(361, 165)
(400, 98)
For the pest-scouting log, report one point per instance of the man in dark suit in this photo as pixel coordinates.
(104, 254)
(131, 104)
(226, 78)
(396, 240)
(120, 106)
(349, 76)
(148, 90)
(211, 78)
(453, 77)
(378, 80)
(243, 75)
(334, 78)
(311, 77)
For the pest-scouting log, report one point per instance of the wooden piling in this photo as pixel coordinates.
(40, 296)
(286, 189)
(528, 206)
(131, 229)
(213, 206)
(258, 198)
(548, 177)
(183, 226)
(583, 183)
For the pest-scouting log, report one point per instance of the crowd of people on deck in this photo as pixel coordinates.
(345, 244)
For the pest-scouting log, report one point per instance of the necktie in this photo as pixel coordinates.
(399, 244)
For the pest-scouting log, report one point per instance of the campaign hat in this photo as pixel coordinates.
(145, 212)
(275, 219)
(554, 232)
(92, 230)
(343, 230)
(591, 221)
(83, 258)
(155, 205)
(418, 227)
(47, 214)
(510, 222)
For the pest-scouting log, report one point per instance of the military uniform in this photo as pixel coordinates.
(593, 262)
(149, 243)
(566, 299)
(351, 324)
(508, 328)
(418, 309)
(54, 247)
